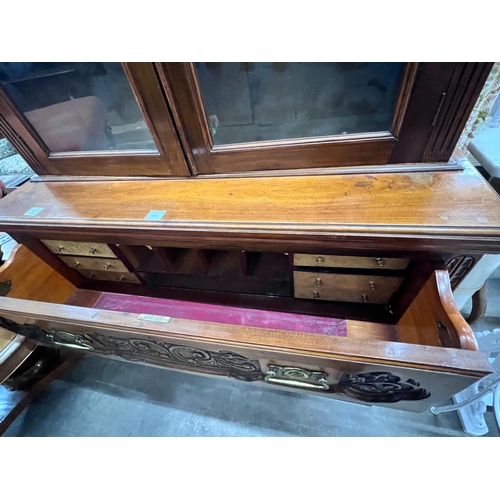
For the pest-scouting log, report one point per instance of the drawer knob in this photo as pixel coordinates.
(319, 281)
(380, 262)
(93, 250)
(107, 265)
(364, 298)
(316, 295)
(121, 278)
(320, 259)
(59, 248)
(76, 264)
(372, 285)
(92, 275)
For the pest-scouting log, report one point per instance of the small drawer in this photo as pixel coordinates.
(345, 287)
(317, 260)
(79, 248)
(109, 276)
(95, 264)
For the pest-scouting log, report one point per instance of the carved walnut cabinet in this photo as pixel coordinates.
(297, 225)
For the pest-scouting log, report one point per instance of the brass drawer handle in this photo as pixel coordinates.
(372, 285)
(93, 250)
(59, 248)
(316, 295)
(67, 339)
(74, 346)
(319, 281)
(364, 298)
(320, 259)
(76, 264)
(380, 262)
(107, 265)
(297, 377)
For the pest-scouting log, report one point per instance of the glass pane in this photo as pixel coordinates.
(78, 106)
(247, 102)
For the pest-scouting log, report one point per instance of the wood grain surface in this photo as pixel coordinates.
(441, 211)
(434, 319)
(233, 337)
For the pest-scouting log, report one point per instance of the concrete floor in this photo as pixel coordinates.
(102, 397)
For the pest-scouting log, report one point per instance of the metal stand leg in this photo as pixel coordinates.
(472, 418)
(470, 403)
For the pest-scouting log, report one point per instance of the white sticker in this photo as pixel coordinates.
(155, 318)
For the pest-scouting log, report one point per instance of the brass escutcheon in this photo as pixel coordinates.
(297, 377)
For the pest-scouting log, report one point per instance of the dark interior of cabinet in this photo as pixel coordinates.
(264, 273)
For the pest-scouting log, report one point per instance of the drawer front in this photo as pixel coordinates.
(385, 373)
(345, 287)
(79, 248)
(109, 276)
(317, 260)
(95, 264)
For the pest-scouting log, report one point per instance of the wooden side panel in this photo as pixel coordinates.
(433, 318)
(33, 279)
(442, 98)
(459, 99)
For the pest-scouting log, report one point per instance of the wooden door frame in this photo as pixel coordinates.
(434, 103)
(168, 160)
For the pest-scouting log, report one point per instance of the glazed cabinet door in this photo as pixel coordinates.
(89, 119)
(271, 116)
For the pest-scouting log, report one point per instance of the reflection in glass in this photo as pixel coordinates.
(78, 106)
(247, 102)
